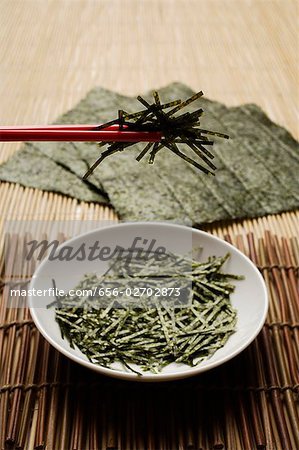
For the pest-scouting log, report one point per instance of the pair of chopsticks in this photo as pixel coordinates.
(111, 133)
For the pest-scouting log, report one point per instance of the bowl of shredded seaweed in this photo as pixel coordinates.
(148, 301)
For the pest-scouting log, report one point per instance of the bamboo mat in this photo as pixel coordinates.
(251, 402)
(52, 52)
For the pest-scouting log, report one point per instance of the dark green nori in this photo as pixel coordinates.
(257, 168)
(151, 331)
(174, 130)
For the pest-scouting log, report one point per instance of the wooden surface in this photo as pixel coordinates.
(53, 51)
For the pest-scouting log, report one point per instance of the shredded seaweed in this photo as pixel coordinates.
(176, 129)
(149, 331)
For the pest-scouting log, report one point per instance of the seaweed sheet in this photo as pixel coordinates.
(257, 169)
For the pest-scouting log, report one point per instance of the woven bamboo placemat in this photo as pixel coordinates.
(237, 51)
(251, 402)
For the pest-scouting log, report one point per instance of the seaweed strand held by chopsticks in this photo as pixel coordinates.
(176, 129)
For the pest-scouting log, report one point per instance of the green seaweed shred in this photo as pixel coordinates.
(182, 129)
(149, 332)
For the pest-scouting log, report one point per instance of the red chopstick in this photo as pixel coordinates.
(111, 133)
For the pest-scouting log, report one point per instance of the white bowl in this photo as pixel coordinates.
(249, 299)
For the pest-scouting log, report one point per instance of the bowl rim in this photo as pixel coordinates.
(150, 377)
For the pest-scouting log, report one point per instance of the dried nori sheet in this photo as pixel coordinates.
(257, 168)
(31, 168)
